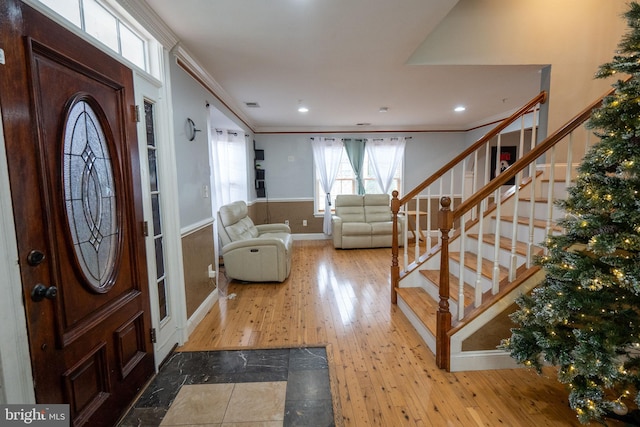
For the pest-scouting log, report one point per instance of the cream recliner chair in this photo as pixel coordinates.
(253, 253)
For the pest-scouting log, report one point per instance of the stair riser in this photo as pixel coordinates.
(488, 251)
(470, 275)
(541, 210)
(559, 189)
(434, 292)
(414, 319)
(522, 231)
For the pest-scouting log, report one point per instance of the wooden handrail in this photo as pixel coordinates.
(541, 98)
(397, 203)
(447, 218)
(527, 159)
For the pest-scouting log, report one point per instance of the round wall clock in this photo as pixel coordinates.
(191, 129)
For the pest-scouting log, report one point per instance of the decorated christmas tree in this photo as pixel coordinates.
(584, 318)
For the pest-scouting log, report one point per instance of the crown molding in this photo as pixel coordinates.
(149, 19)
(187, 62)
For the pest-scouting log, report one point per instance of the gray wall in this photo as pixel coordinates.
(289, 159)
(192, 157)
(189, 100)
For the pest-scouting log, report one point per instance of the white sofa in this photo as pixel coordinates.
(253, 253)
(364, 222)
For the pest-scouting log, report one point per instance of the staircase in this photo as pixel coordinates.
(477, 235)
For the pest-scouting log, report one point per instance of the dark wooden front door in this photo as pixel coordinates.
(70, 134)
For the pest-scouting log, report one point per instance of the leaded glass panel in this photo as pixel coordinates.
(89, 191)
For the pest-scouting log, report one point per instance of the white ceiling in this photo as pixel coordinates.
(344, 59)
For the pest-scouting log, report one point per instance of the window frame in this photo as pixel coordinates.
(120, 21)
(319, 196)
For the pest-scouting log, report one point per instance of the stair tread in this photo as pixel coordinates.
(536, 199)
(434, 277)
(537, 223)
(422, 305)
(557, 180)
(505, 243)
(471, 262)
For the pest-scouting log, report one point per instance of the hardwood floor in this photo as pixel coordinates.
(382, 373)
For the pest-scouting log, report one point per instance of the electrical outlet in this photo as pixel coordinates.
(286, 221)
(304, 222)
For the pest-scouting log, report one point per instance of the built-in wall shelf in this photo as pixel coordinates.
(258, 157)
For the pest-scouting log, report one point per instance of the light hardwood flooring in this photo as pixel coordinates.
(381, 371)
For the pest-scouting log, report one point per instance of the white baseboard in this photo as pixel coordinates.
(201, 312)
(310, 236)
(482, 360)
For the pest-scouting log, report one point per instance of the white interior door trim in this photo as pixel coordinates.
(170, 331)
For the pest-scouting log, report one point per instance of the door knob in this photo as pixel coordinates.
(40, 292)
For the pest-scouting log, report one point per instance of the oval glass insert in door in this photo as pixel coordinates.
(90, 196)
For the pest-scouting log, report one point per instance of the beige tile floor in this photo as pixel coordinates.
(227, 405)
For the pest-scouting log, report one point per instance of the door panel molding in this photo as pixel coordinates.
(70, 335)
(130, 343)
(87, 384)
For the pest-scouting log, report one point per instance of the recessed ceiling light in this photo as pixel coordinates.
(383, 109)
(459, 109)
(363, 124)
(252, 104)
(303, 109)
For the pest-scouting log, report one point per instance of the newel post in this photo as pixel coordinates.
(395, 268)
(443, 319)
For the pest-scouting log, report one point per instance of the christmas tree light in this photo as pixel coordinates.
(584, 317)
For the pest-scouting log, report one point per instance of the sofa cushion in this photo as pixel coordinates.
(286, 238)
(350, 213)
(349, 208)
(356, 229)
(378, 228)
(377, 214)
(233, 212)
(377, 208)
(349, 200)
(235, 222)
(242, 230)
(377, 200)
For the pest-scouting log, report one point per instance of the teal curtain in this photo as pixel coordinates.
(355, 152)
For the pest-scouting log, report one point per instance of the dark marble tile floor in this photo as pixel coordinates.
(305, 370)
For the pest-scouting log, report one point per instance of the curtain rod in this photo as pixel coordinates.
(229, 132)
(374, 139)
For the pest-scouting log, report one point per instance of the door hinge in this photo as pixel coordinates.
(136, 113)
(145, 228)
(154, 338)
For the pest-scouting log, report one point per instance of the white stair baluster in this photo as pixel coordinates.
(463, 245)
(478, 285)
